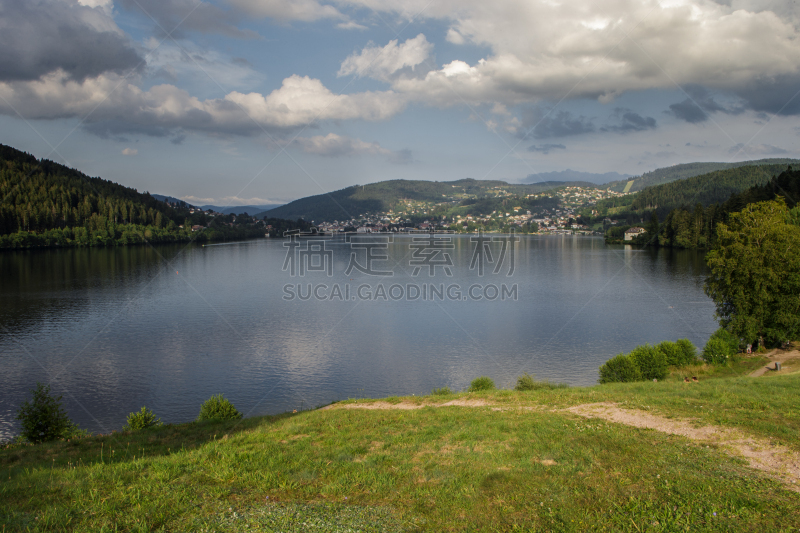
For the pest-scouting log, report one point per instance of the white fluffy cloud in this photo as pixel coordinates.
(298, 102)
(584, 48)
(383, 62)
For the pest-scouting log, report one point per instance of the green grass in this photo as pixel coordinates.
(431, 469)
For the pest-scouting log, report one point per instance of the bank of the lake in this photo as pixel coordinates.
(491, 461)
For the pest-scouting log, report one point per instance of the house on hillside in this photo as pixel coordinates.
(635, 231)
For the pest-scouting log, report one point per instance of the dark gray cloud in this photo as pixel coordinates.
(688, 111)
(175, 17)
(776, 95)
(40, 36)
(546, 148)
(630, 121)
(700, 103)
(538, 125)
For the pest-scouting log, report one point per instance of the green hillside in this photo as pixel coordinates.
(661, 176)
(362, 200)
(707, 189)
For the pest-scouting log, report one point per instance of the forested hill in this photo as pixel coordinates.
(359, 200)
(41, 195)
(664, 175)
(711, 188)
(43, 203)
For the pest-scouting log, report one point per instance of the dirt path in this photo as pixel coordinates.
(781, 357)
(778, 462)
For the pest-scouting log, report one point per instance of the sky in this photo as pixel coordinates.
(235, 102)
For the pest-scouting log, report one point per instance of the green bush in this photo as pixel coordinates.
(672, 352)
(142, 419)
(218, 408)
(443, 391)
(43, 418)
(728, 338)
(481, 383)
(620, 369)
(717, 351)
(525, 382)
(689, 351)
(651, 361)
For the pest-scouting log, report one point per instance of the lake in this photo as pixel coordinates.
(166, 327)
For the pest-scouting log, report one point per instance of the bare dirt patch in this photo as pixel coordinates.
(777, 461)
(779, 356)
(462, 402)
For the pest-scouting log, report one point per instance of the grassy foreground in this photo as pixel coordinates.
(532, 468)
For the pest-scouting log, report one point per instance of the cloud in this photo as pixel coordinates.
(688, 111)
(756, 149)
(700, 103)
(130, 151)
(546, 148)
(541, 51)
(175, 17)
(382, 63)
(773, 94)
(38, 37)
(288, 10)
(112, 106)
(630, 121)
(555, 124)
(333, 145)
(350, 25)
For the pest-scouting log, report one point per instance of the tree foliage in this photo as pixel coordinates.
(43, 418)
(755, 273)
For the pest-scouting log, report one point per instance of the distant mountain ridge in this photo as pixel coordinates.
(240, 209)
(575, 176)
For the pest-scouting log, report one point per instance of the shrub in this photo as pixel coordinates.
(218, 408)
(620, 369)
(717, 351)
(672, 352)
(481, 383)
(142, 419)
(651, 361)
(728, 338)
(525, 382)
(43, 418)
(689, 351)
(443, 391)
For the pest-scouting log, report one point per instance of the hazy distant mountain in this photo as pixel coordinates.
(574, 175)
(239, 209)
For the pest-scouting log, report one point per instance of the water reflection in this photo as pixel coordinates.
(115, 329)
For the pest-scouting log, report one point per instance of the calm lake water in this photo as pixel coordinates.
(167, 327)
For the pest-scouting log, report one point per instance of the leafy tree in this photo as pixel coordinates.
(755, 273)
(43, 418)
